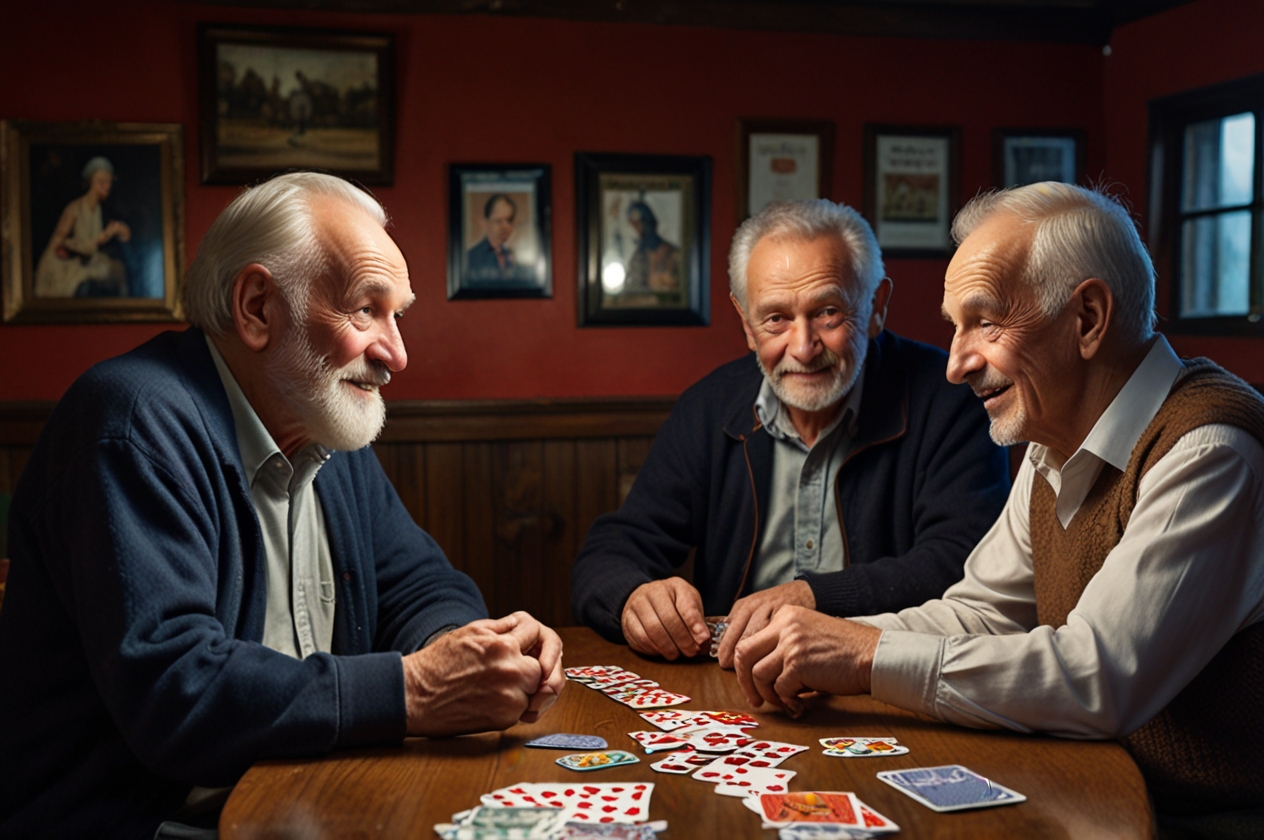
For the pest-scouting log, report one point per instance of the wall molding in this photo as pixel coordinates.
(447, 421)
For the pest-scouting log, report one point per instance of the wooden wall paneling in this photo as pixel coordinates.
(445, 499)
(560, 534)
(597, 468)
(480, 522)
(517, 551)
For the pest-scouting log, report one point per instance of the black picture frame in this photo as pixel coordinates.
(523, 268)
(782, 160)
(621, 281)
(68, 255)
(912, 187)
(1022, 156)
(276, 99)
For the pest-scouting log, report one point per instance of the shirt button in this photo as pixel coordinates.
(810, 544)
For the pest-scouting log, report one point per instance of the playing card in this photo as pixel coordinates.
(836, 807)
(714, 740)
(862, 747)
(755, 755)
(629, 685)
(608, 831)
(620, 802)
(589, 673)
(563, 741)
(655, 698)
(614, 678)
(684, 761)
(652, 741)
(669, 719)
(744, 781)
(950, 788)
(597, 760)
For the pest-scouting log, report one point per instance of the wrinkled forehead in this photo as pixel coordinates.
(989, 264)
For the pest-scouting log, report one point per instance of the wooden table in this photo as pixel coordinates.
(1074, 789)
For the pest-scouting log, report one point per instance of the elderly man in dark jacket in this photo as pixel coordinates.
(835, 468)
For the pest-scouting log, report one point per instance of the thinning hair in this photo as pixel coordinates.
(808, 220)
(270, 224)
(1080, 233)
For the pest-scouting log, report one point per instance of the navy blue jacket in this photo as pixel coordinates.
(130, 662)
(921, 486)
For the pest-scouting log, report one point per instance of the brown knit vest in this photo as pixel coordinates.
(1205, 750)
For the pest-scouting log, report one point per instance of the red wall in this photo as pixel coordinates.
(477, 88)
(1192, 46)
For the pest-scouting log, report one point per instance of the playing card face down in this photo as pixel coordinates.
(565, 741)
(812, 806)
(951, 787)
(597, 760)
(862, 747)
(618, 802)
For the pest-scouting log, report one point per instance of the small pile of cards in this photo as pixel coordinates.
(862, 747)
(814, 813)
(484, 823)
(624, 686)
(627, 802)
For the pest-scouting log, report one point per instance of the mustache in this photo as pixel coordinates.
(827, 359)
(987, 382)
(369, 372)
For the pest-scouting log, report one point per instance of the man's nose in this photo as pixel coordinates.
(804, 340)
(963, 360)
(389, 347)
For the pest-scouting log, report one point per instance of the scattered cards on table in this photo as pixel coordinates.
(950, 788)
(626, 687)
(564, 741)
(620, 802)
(597, 760)
(529, 823)
(862, 747)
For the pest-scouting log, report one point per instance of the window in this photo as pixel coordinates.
(1205, 188)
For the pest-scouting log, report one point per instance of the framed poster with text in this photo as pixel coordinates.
(911, 188)
(782, 160)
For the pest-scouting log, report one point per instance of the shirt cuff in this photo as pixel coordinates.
(906, 668)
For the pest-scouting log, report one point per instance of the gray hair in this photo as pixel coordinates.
(270, 224)
(96, 164)
(807, 220)
(1080, 233)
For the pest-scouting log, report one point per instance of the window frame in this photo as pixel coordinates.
(1169, 118)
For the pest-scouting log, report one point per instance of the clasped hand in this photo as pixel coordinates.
(487, 675)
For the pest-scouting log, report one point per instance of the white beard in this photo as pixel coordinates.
(329, 412)
(821, 396)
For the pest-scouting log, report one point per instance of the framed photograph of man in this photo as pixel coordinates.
(499, 231)
(92, 216)
(1023, 156)
(782, 160)
(275, 99)
(644, 239)
(911, 187)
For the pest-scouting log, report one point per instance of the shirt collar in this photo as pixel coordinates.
(776, 419)
(253, 439)
(1116, 432)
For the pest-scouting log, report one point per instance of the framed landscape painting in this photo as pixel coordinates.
(92, 216)
(274, 100)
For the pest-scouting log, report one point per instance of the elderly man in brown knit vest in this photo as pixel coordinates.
(1121, 593)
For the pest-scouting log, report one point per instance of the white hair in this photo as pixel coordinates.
(808, 220)
(270, 224)
(1080, 233)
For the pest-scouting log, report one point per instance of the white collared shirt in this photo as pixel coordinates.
(1186, 576)
(299, 619)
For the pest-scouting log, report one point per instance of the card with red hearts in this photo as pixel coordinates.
(743, 781)
(595, 803)
(652, 741)
(654, 698)
(682, 762)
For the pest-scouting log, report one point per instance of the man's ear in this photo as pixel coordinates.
(1095, 310)
(741, 314)
(881, 297)
(254, 301)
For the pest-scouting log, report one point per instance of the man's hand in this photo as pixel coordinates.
(664, 618)
(752, 614)
(486, 675)
(801, 651)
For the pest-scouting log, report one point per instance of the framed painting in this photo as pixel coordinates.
(782, 160)
(911, 188)
(92, 216)
(499, 231)
(644, 239)
(274, 100)
(1027, 156)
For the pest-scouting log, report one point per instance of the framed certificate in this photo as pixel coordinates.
(782, 160)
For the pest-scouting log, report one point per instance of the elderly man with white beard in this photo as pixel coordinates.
(209, 566)
(833, 469)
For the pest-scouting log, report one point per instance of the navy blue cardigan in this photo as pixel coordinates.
(130, 662)
(921, 486)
